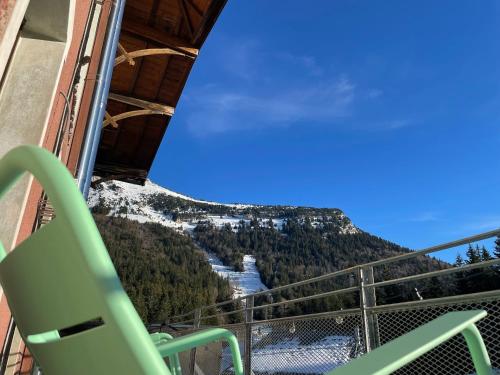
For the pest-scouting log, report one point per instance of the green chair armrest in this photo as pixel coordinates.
(401, 351)
(161, 338)
(158, 337)
(207, 336)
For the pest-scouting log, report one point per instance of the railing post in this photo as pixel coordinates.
(248, 335)
(192, 358)
(368, 299)
(7, 346)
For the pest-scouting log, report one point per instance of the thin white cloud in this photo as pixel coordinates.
(374, 93)
(397, 124)
(240, 58)
(307, 63)
(485, 223)
(424, 217)
(263, 88)
(218, 110)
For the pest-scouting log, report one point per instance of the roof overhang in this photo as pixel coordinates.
(159, 44)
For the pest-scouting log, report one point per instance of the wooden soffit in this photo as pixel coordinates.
(159, 43)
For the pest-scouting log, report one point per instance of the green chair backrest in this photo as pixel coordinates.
(62, 277)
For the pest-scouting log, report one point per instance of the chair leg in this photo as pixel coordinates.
(235, 353)
(173, 359)
(207, 336)
(477, 349)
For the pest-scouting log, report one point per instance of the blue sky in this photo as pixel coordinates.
(387, 110)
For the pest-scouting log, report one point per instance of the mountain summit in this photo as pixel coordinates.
(156, 204)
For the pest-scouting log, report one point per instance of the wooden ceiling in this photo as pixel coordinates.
(159, 43)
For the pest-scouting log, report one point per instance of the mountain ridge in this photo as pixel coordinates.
(286, 243)
(154, 203)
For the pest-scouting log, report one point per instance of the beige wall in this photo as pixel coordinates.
(28, 89)
(11, 17)
(6, 10)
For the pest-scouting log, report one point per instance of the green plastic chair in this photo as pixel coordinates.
(405, 349)
(61, 278)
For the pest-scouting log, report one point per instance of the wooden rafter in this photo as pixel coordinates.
(154, 12)
(125, 55)
(208, 19)
(148, 108)
(162, 38)
(99, 181)
(125, 115)
(112, 122)
(198, 11)
(156, 107)
(185, 15)
(148, 52)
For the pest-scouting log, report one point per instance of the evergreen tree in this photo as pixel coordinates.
(390, 293)
(473, 255)
(433, 288)
(485, 254)
(496, 268)
(478, 279)
(460, 280)
(496, 251)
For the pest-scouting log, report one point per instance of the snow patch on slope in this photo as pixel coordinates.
(244, 283)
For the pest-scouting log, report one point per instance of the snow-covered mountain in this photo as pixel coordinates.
(153, 203)
(254, 246)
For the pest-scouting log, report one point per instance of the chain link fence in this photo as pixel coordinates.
(306, 345)
(291, 346)
(452, 357)
(317, 344)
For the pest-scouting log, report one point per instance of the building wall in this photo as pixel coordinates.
(6, 9)
(28, 88)
(30, 115)
(11, 16)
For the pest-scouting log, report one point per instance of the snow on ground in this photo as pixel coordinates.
(234, 220)
(137, 193)
(290, 356)
(244, 283)
(130, 201)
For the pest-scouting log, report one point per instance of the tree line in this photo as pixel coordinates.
(478, 279)
(165, 273)
(300, 251)
(162, 271)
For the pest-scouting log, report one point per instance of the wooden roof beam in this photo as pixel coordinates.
(155, 107)
(158, 36)
(208, 20)
(126, 56)
(111, 120)
(148, 52)
(125, 115)
(185, 15)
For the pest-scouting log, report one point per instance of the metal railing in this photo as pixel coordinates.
(317, 342)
